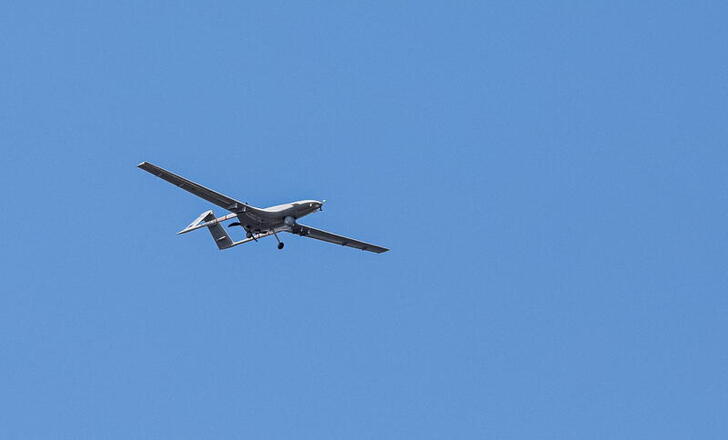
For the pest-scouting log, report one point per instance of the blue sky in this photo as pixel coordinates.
(551, 178)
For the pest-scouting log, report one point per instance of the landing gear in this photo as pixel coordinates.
(280, 243)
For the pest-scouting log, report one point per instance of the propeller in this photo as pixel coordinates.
(321, 208)
(234, 224)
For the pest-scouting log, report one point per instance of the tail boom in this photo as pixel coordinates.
(204, 220)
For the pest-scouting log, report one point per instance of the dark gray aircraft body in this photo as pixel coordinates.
(257, 222)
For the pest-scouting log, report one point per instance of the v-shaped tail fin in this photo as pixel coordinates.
(207, 218)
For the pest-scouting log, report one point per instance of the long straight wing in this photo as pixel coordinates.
(318, 234)
(195, 188)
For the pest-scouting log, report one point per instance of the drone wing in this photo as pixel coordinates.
(195, 188)
(318, 234)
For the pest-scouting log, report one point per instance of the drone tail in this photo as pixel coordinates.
(207, 218)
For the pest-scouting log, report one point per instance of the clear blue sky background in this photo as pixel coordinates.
(550, 176)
